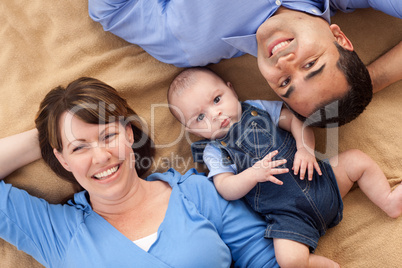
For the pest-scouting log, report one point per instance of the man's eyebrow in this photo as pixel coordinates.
(314, 73)
(288, 92)
(307, 77)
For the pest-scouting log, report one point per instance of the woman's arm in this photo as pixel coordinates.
(18, 150)
(243, 231)
(240, 228)
(387, 69)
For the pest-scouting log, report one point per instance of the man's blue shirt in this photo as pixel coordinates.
(196, 33)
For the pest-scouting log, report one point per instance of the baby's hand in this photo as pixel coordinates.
(265, 169)
(304, 160)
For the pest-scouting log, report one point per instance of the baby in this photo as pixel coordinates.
(249, 148)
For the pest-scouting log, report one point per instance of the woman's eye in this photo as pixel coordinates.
(217, 99)
(110, 136)
(78, 148)
(285, 82)
(309, 65)
(200, 117)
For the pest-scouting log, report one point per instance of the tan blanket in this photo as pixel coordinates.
(48, 43)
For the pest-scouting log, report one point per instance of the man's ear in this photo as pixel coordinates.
(341, 38)
(60, 158)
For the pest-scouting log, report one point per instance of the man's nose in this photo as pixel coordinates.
(286, 62)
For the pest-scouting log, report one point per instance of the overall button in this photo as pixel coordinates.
(228, 158)
(223, 143)
(254, 113)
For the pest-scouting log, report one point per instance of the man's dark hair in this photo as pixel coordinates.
(352, 104)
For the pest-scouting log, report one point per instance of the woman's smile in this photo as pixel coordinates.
(103, 175)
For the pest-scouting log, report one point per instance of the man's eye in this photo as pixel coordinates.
(309, 65)
(285, 82)
(200, 117)
(217, 99)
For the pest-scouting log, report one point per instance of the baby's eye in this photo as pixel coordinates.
(200, 117)
(285, 82)
(217, 99)
(309, 65)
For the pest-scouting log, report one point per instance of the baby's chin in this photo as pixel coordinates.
(220, 134)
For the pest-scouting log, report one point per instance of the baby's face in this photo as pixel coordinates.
(209, 108)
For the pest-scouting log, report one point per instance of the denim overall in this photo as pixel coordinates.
(299, 210)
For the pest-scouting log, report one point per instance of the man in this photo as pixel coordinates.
(197, 33)
(312, 66)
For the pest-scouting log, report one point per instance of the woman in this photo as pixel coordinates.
(90, 136)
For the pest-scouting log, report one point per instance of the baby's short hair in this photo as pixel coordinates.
(184, 80)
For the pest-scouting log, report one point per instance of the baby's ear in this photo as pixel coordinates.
(189, 130)
(60, 158)
(231, 87)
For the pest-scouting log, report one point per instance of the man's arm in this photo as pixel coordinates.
(305, 142)
(387, 69)
(18, 150)
(390, 7)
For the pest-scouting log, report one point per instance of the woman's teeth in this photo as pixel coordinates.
(278, 46)
(106, 173)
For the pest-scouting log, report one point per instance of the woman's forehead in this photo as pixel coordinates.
(73, 127)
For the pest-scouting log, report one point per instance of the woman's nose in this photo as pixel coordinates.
(100, 155)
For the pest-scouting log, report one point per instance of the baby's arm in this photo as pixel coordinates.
(305, 142)
(18, 150)
(234, 186)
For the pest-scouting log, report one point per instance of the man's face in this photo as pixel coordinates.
(297, 56)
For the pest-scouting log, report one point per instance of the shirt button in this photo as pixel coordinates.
(314, 11)
(254, 113)
(223, 143)
(278, 2)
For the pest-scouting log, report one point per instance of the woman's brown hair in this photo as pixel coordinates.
(93, 102)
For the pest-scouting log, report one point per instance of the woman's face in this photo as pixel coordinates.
(99, 156)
